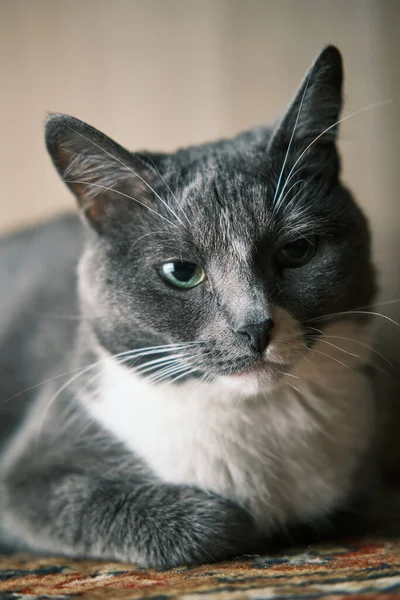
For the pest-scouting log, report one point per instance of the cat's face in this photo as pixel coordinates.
(234, 246)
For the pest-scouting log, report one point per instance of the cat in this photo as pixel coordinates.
(199, 383)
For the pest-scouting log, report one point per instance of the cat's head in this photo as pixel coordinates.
(235, 248)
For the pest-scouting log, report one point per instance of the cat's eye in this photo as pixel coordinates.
(182, 275)
(297, 253)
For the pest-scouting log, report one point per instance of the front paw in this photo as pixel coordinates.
(189, 526)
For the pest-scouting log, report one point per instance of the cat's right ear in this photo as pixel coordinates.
(310, 124)
(101, 174)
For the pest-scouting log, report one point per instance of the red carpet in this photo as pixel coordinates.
(358, 569)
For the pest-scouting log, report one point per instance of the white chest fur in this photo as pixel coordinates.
(290, 454)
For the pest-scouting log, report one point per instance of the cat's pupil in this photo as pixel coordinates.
(183, 271)
(298, 249)
(297, 253)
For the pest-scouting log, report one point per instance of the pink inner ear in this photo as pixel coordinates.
(62, 156)
(95, 210)
(90, 175)
(104, 177)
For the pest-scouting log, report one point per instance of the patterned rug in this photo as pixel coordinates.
(358, 569)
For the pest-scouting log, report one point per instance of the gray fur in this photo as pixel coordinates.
(66, 484)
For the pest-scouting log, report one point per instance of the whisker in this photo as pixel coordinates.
(282, 201)
(129, 169)
(205, 378)
(174, 359)
(339, 337)
(332, 357)
(159, 349)
(366, 346)
(355, 312)
(167, 186)
(302, 212)
(183, 375)
(295, 388)
(167, 371)
(145, 235)
(103, 187)
(290, 375)
(353, 114)
(291, 138)
(82, 372)
(165, 359)
(303, 356)
(290, 189)
(339, 348)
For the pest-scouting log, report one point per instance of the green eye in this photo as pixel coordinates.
(297, 253)
(182, 275)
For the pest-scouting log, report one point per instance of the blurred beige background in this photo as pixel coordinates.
(159, 74)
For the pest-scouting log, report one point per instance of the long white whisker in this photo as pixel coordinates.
(303, 355)
(339, 337)
(365, 346)
(291, 138)
(169, 189)
(164, 373)
(332, 357)
(326, 131)
(178, 364)
(175, 358)
(129, 169)
(82, 372)
(160, 349)
(145, 235)
(355, 312)
(32, 387)
(164, 359)
(160, 368)
(183, 375)
(207, 378)
(295, 388)
(280, 202)
(104, 187)
(290, 375)
(339, 348)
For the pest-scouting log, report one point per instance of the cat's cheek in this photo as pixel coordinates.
(343, 345)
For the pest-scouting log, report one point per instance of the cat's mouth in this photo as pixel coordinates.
(260, 376)
(262, 370)
(264, 367)
(258, 367)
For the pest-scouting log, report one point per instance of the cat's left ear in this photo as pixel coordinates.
(106, 179)
(311, 118)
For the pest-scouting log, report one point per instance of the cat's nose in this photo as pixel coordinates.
(257, 333)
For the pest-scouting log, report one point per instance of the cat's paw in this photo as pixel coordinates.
(190, 526)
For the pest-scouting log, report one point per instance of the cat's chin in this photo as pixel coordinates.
(260, 378)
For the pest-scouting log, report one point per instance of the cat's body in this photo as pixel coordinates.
(252, 421)
(33, 336)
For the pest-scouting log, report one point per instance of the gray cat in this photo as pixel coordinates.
(197, 385)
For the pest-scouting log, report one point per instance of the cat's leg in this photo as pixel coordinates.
(149, 523)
